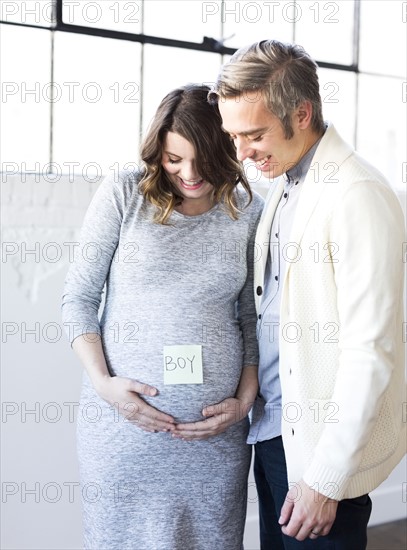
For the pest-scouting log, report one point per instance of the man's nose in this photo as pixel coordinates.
(243, 149)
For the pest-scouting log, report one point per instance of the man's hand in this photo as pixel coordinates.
(220, 417)
(307, 513)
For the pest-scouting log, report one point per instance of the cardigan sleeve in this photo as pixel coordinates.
(368, 226)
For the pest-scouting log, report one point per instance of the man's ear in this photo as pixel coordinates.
(303, 115)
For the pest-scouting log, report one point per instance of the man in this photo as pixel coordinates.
(328, 421)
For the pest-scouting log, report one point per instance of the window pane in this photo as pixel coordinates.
(325, 30)
(168, 68)
(338, 94)
(182, 20)
(27, 12)
(97, 112)
(25, 106)
(118, 15)
(382, 132)
(249, 22)
(383, 37)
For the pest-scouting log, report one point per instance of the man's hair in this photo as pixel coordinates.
(283, 74)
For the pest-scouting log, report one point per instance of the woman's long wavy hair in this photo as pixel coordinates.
(187, 112)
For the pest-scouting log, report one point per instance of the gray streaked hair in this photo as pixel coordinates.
(283, 74)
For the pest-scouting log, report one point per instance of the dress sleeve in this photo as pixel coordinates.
(99, 238)
(246, 309)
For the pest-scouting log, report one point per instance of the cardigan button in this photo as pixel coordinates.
(260, 316)
(259, 291)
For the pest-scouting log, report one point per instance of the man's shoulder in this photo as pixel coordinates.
(348, 165)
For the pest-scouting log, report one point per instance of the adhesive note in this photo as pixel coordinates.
(183, 364)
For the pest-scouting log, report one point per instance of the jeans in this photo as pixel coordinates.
(348, 531)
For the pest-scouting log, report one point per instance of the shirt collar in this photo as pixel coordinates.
(298, 172)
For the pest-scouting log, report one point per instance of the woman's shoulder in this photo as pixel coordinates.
(254, 207)
(126, 178)
(123, 184)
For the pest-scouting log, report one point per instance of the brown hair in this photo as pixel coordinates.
(187, 112)
(284, 74)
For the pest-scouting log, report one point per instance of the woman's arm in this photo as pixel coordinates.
(83, 290)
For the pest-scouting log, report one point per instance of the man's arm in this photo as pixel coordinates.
(368, 227)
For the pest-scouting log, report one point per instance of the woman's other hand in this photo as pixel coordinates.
(219, 418)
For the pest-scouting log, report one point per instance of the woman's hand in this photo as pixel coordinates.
(220, 418)
(123, 393)
(224, 414)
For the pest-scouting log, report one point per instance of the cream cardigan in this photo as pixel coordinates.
(341, 324)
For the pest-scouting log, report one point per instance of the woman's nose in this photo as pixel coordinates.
(190, 173)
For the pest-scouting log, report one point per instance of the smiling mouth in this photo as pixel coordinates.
(191, 184)
(260, 163)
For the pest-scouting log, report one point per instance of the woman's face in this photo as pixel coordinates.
(178, 160)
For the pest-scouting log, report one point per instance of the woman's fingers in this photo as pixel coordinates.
(124, 394)
(145, 416)
(143, 389)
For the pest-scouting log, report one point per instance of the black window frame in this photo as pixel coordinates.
(208, 44)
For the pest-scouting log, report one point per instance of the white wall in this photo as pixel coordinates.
(37, 373)
(40, 494)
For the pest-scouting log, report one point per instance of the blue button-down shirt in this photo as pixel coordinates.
(267, 411)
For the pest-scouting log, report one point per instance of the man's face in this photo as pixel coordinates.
(259, 135)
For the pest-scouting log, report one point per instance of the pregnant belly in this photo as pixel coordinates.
(185, 402)
(221, 371)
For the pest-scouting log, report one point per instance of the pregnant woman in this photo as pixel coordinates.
(176, 343)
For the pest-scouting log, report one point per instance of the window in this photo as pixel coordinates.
(97, 115)
(82, 79)
(26, 96)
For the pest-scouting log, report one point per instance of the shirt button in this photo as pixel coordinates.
(260, 316)
(292, 431)
(276, 277)
(285, 195)
(277, 235)
(259, 291)
(291, 371)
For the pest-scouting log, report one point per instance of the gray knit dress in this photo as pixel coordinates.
(187, 283)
